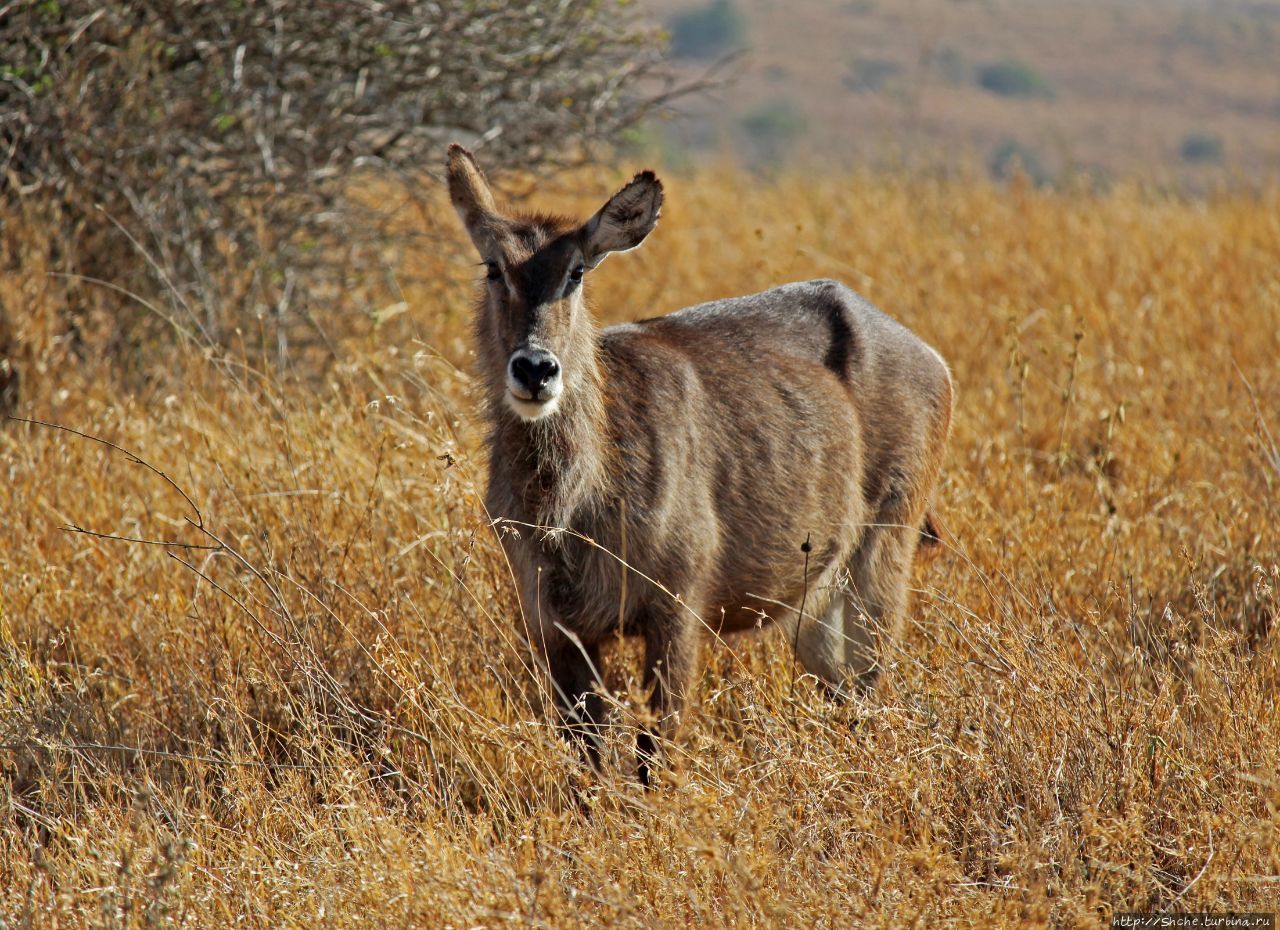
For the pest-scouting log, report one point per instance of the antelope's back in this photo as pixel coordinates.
(744, 343)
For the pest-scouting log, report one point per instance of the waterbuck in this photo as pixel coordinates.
(662, 477)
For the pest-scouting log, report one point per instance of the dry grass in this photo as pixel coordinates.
(332, 721)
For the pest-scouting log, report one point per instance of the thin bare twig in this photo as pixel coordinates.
(806, 548)
(81, 531)
(197, 523)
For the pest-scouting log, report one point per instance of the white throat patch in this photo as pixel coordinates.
(530, 410)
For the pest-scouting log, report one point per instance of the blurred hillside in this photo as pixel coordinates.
(1184, 91)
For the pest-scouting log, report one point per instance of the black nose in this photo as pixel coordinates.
(533, 369)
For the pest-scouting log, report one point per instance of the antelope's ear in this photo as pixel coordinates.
(624, 221)
(471, 197)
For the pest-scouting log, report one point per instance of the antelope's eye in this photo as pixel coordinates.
(576, 275)
(494, 271)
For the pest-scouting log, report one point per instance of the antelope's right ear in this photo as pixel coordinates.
(624, 221)
(471, 197)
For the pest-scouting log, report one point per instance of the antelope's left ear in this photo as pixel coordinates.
(471, 197)
(624, 221)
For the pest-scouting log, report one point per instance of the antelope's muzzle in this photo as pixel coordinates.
(533, 382)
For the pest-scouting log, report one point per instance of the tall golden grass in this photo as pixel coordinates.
(312, 708)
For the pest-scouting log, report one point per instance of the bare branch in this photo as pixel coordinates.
(198, 522)
(187, 145)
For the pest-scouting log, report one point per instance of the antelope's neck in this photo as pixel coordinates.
(558, 466)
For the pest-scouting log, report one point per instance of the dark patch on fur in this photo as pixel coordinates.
(542, 275)
(930, 534)
(842, 347)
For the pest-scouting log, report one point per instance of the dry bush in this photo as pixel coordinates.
(199, 153)
(324, 717)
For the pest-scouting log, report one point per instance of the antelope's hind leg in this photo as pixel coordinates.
(874, 606)
(820, 640)
(845, 644)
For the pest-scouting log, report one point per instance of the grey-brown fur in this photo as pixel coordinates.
(724, 435)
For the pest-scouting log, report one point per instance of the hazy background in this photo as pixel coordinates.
(1179, 90)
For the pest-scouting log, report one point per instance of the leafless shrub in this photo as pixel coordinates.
(202, 151)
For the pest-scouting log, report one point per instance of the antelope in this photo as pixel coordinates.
(662, 477)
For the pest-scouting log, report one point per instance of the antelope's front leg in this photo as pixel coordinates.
(576, 689)
(672, 643)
